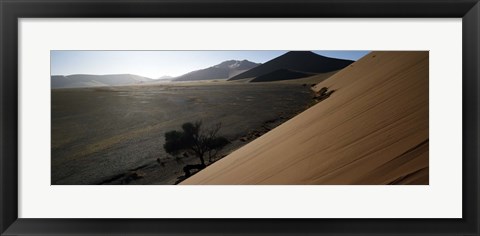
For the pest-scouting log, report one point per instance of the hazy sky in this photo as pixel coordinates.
(154, 64)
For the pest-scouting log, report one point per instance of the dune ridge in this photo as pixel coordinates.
(372, 130)
(300, 61)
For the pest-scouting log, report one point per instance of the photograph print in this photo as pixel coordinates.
(277, 117)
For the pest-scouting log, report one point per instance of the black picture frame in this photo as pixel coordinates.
(12, 10)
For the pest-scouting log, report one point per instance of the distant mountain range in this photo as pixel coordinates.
(291, 65)
(224, 70)
(82, 80)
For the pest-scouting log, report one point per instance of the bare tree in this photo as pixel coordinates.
(202, 142)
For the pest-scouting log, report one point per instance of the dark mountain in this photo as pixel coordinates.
(299, 61)
(224, 70)
(81, 80)
(282, 74)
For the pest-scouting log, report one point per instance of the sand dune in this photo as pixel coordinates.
(299, 61)
(372, 130)
(311, 80)
(281, 74)
(224, 70)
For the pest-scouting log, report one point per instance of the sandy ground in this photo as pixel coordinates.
(372, 130)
